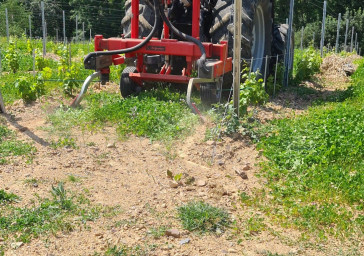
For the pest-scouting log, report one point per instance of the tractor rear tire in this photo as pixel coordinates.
(146, 19)
(280, 39)
(256, 29)
(127, 86)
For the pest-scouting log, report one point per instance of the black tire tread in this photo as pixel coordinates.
(128, 86)
(146, 18)
(223, 17)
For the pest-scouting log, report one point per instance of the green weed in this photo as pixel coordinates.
(307, 62)
(65, 142)
(9, 146)
(60, 213)
(72, 178)
(158, 232)
(152, 114)
(315, 167)
(7, 197)
(252, 90)
(202, 217)
(254, 225)
(32, 181)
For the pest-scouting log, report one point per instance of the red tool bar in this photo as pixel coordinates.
(196, 19)
(164, 47)
(139, 77)
(135, 19)
(222, 67)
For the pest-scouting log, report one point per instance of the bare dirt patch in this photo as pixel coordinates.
(129, 177)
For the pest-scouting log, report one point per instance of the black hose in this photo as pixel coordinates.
(134, 48)
(201, 61)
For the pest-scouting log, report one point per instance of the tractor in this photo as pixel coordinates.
(185, 42)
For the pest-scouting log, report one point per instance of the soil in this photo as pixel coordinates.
(131, 175)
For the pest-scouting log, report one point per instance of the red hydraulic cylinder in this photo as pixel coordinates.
(195, 18)
(135, 19)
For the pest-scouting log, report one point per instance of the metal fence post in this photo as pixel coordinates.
(323, 30)
(265, 71)
(352, 39)
(2, 105)
(338, 33)
(275, 77)
(76, 28)
(43, 28)
(288, 46)
(30, 27)
(70, 54)
(33, 62)
(346, 34)
(302, 37)
(237, 54)
(64, 27)
(7, 23)
(356, 40)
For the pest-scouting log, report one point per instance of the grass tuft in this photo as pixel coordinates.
(202, 217)
(60, 213)
(158, 114)
(9, 146)
(7, 197)
(129, 251)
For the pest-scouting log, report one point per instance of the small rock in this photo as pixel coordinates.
(35, 185)
(16, 245)
(221, 162)
(6, 188)
(99, 235)
(242, 174)
(190, 189)
(27, 175)
(111, 145)
(201, 183)
(218, 231)
(164, 206)
(231, 250)
(69, 150)
(173, 232)
(173, 184)
(184, 241)
(246, 167)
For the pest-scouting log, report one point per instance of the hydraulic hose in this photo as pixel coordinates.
(201, 61)
(134, 48)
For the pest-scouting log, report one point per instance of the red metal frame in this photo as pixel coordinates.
(166, 47)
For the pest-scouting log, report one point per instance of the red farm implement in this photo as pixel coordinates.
(184, 42)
